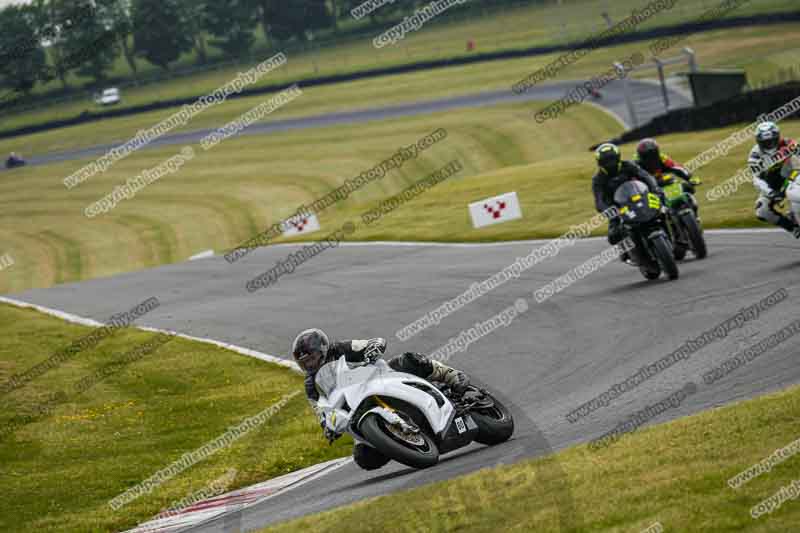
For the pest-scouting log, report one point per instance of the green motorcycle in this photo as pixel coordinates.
(685, 229)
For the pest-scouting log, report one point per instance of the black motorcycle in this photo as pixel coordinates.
(644, 221)
(14, 161)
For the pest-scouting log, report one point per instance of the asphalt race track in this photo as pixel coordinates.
(613, 100)
(549, 360)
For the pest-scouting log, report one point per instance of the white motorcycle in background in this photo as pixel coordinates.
(791, 185)
(406, 418)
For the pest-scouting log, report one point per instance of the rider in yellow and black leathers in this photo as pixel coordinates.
(613, 172)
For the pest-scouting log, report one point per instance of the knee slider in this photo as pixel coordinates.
(764, 212)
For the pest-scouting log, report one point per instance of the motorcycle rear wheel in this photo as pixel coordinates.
(680, 252)
(495, 424)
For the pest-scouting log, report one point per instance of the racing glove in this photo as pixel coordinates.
(694, 180)
(374, 349)
(329, 433)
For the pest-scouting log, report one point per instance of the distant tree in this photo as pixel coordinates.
(194, 15)
(158, 31)
(391, 11)
(232, 23)
(316, 15)
(284, 20)
(90, 44)
(334, 10)
(22, 59)
(52, 18)
(394, 10)
(118, 13)
(265, 11)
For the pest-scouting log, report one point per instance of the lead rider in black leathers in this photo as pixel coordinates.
(312, 349)
(613, 172)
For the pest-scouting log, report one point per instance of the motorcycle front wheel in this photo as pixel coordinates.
(416, 450)
(695, 233)
(664, 253)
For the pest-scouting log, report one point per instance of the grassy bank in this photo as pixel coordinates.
(65, 459)
(229, 194)
(674, 474)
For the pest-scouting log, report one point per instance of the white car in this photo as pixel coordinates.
(108, 97)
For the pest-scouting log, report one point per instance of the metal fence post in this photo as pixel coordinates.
(663, 81)
(626, 88)
(692, 59)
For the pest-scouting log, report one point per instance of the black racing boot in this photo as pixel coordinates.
(457, 380)
(368, 457)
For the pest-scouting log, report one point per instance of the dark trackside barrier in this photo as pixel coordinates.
(746, 107)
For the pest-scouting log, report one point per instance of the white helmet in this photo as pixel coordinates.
(768, 137)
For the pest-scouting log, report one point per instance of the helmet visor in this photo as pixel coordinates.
(309, 362)
(768, 145)
(650, 158)
(609, 162)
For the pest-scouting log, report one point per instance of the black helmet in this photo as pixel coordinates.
(609, 158)
(310, 348)
(649, 154)
(768, 137)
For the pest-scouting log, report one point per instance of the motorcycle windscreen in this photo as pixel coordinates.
(624, 192)
(326, 378)
(673, 191)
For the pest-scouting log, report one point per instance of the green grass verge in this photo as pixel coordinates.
(674, 474)
(60, 470)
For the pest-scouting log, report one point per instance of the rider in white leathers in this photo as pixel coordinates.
(312, 349)
(766, 163)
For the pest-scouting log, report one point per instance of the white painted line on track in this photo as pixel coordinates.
(69, 317)
(432, 244)
(202, 255)
(610, 113)
(743, 231)
(83, 321)
(237, 501)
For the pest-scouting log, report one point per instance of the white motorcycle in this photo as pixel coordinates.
(406, 418)
(791, 175)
